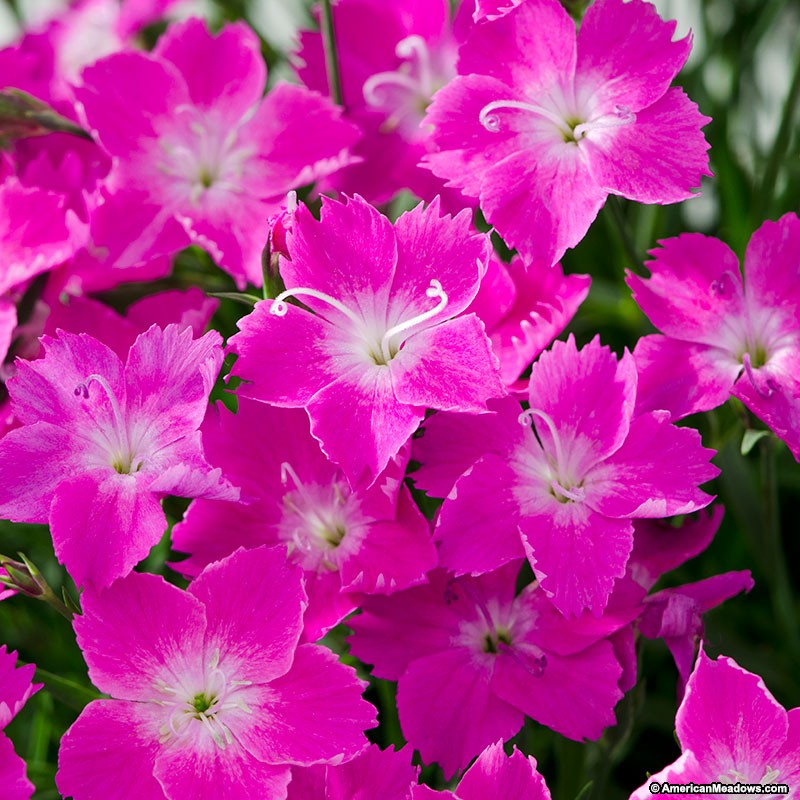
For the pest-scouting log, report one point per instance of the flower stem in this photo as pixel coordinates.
(331, 58)
(779, 584)
(620, 225)
(779, 147)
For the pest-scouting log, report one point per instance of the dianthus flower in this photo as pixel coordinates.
(381, 344)
(101, 443)
(213, 697)
(561, 482)
(15, 689)
(732, 730)
(349, 542)
(204, 160)
(388, 78)
(542, 125)
(472, 660)
(725, 336)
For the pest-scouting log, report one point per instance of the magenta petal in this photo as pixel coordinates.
(169, 376)
(576, 555)
(695, 289)
(542, 200)
(360, 423)
(466, 148)
(451, 443)
(495, 776)
(601, 389)
(628, 49)
(110, 751)
(312, 715)
(778, 406)
(254, 604)
(374, 775)
(204, 771)
(394, 554)
(573, 695)
(394, 631)
(656, 159)
(283, 360)
(656, 472)
(138, 629)
(533, 46)
(224, 73)
(349, 254)
(13, 778)
(118, 101)
(44, 390)
(770, 265)
(477, 528)
(448, 710)
(302, 136)
(34, 460)
(8, 322)
(446, 249)
(658, 547)
(103, 525)
(190, 308)
(449, 367)
(729, 719)
(682, 377)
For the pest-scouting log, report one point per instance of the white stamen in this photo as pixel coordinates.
(526, 418)
(279, 306)
(622, 116)
(412, 48)
(435, 290)
(491, 121)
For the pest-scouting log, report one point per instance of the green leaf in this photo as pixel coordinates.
(239, 297)
(585, 793)
(23, 116)
(750, 439)
(68, 692)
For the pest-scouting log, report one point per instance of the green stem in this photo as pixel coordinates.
(331, 59)
(780, 145)
(68, 692)
(779, 583)
(620, 224)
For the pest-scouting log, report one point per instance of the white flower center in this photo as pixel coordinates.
(321, 523)
(209, 702)
(381, 345)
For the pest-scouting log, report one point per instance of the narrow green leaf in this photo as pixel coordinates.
(750, 439)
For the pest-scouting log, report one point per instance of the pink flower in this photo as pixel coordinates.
(495, 776)
(349, 542)
(15, 689)
(732, 730)
(204, 160)
(382, 344)
(374, 775)
(561, 482)
(213, 696)
(725, 336)
(542, 125)
(392, 59)
(524, 307)
(472, 660)
(102, 443)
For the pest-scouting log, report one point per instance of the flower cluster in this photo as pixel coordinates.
(400, 486)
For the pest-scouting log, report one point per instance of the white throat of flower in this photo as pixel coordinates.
(571, 129)
(384, 349)
(565, 489)
(321, 522)
(207, 705)
(414, 81)
(118, 439)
